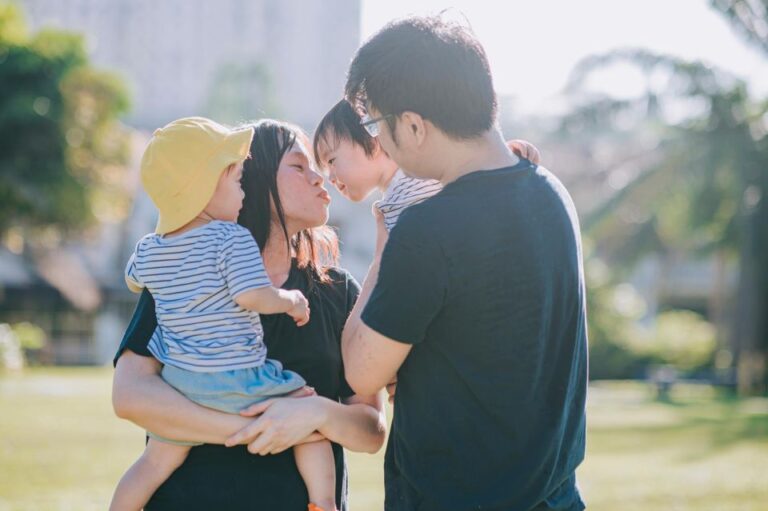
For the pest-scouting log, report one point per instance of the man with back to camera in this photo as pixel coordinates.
(476, 305)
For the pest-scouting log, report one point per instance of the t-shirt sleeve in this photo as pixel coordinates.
(412, 283)
(140, 329)
(240, 262)
(352, 291)
(132, 278)
(406, 192)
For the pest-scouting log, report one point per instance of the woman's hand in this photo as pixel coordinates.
(281, 423)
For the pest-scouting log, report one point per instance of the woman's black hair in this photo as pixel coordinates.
(314, 249)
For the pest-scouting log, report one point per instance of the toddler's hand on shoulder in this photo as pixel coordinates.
(525, 150)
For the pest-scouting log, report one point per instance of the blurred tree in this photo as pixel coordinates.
(748, 17)
(61, 147)
(682, 339)
(704, 188)
(612, 327)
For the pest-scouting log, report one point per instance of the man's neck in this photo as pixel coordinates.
(484, 153)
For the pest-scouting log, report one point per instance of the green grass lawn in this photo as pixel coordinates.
(62, 449)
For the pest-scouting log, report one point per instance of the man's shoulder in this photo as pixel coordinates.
(435, 215)
(423, 217)
(554, 183)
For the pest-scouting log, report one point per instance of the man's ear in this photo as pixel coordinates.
(415, 127)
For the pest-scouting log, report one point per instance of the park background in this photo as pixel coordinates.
(653, 113)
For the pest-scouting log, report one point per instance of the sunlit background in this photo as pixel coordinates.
(653, 114)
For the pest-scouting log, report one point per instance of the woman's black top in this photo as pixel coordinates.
(215, 477)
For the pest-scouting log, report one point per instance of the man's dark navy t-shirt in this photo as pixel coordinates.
(485, 280)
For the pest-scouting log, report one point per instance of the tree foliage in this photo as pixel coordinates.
(62, 148)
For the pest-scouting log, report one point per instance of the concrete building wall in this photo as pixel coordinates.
(180, 56)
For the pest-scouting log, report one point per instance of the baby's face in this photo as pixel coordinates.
(350, 170)
(227, 200)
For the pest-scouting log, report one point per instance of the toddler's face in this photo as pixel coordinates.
(350, 170)
(227, 200)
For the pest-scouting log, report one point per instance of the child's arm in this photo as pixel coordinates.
(270, 300)
(242, 267)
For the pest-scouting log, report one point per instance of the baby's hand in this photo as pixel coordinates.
(300, 310)
(525, 150)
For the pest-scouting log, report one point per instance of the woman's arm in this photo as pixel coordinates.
(359, 424)
(141, 396)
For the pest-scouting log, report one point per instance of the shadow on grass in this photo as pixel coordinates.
(709, 425)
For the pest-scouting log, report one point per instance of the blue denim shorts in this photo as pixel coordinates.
(231, 391)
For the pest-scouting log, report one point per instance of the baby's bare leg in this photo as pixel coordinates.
(155, 465)
(318, 469)
(316, 465)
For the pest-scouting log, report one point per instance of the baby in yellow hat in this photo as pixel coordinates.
(207, 277)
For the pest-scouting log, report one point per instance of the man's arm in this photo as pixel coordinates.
(371, 360)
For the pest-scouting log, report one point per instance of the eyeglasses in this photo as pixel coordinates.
(372, 125)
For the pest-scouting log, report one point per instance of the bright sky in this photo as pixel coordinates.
(533, 45)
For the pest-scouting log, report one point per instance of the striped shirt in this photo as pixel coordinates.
(194, 278)
(402, 192)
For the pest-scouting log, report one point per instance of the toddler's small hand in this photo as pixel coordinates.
(525, 150)
(300, 310)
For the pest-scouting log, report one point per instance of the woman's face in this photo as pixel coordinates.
(302, 194)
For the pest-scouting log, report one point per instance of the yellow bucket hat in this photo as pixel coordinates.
(182, 164)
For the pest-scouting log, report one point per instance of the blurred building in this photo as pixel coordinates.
(233, 60)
